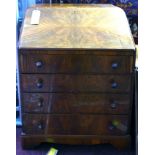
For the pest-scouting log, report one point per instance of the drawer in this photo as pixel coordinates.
(35, 83)
(76, 103)
(75, 83)
(75, 124)
(75, 63)
(35, 102)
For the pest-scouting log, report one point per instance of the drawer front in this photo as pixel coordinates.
(75, 124)
(76, 103)
(44, 63)
(35, 102)
(35, 83)
(75, 83)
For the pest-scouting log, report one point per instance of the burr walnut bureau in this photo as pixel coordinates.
(76, 75)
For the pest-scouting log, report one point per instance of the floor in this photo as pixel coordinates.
(70, 149)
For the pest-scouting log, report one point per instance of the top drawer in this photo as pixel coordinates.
(75, 63)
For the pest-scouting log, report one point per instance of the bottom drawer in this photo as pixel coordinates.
(75, 124)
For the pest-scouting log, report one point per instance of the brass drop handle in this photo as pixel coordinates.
(40, 83)
(39, 64)
(114, 65)
(40, 102)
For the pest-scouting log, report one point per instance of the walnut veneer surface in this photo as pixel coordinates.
(76, 76)
(78, 26)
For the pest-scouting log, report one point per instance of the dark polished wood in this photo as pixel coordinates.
(120, 142)
(76, 76)
(38, 63)
(71, 124)
(79, 148)
(76, 103)
(75, 83)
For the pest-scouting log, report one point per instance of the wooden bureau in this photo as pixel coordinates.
(76, 76)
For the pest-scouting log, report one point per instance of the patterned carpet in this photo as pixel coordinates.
(70, 149)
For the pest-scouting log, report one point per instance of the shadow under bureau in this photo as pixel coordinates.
(76, 76)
